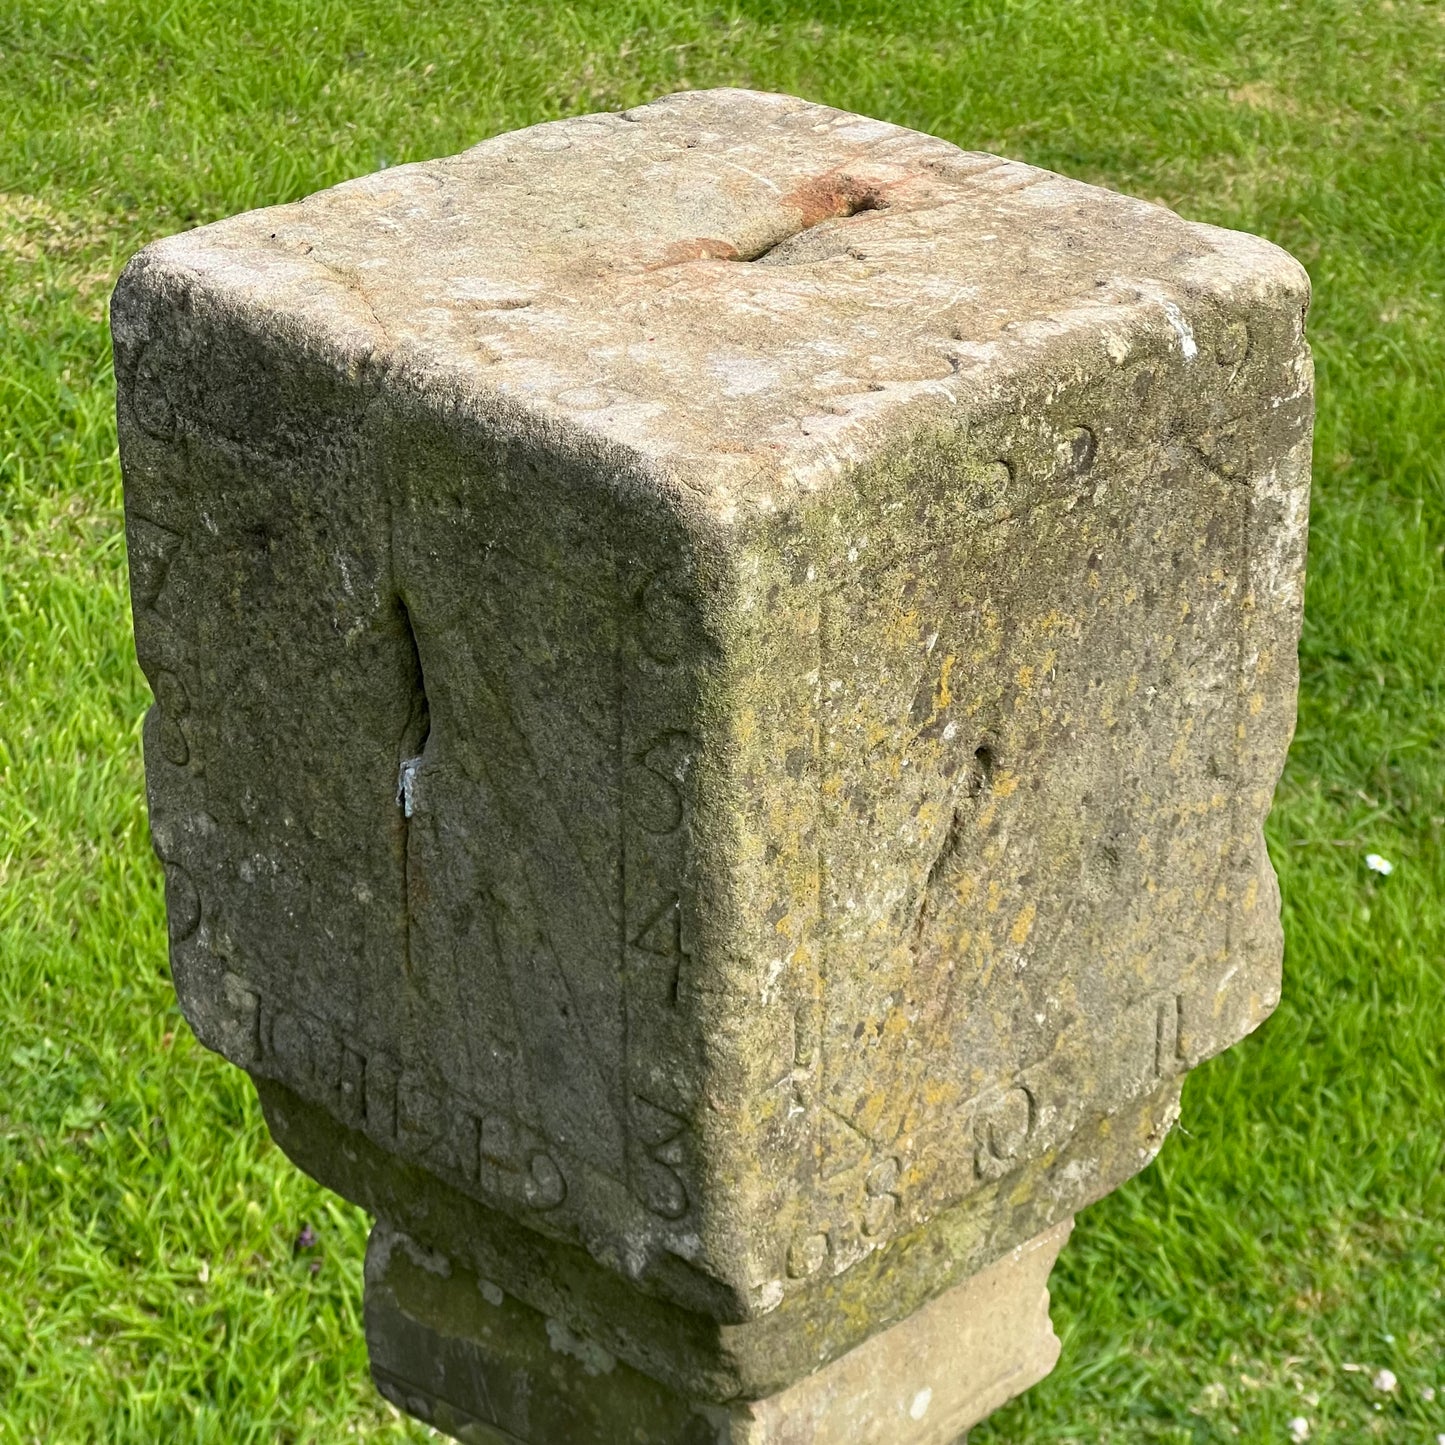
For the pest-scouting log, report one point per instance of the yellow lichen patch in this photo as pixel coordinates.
(1256, 704)
(964, 890)
(995, 897)
(1006, 784)
(902, 629)
(1023, 925)
(895, 1025)
(945, 672)
(1181, 746)
(867, 1117)
(1025, 677)
(930, 815)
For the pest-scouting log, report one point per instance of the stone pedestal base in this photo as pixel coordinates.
(481, 1366)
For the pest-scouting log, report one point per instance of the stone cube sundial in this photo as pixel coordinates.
(719, 670)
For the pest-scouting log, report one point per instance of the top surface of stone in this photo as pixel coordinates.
(739, 289)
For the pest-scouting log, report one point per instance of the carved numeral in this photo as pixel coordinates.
(1002, 1127)
(666, 625)
(657, 1181)
(881, 1188)
(662, 935)
(657, 795)
(1168, 1032)
(152, 549)
(183, 902)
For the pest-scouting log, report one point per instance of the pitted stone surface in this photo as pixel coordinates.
(719, 671)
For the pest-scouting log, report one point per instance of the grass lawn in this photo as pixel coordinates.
(1289, 1243)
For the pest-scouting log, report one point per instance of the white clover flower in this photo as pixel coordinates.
(1376, 864)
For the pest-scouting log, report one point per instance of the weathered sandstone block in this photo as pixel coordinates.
(718, 673)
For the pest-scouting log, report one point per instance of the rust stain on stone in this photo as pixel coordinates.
(833, 195)
(700, 248)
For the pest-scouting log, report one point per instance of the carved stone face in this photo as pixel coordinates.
(718, 675)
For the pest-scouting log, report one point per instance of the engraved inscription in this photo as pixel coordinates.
(1002, 1127)
(657, 1181)
(351, 1087)
(380, 1078)
(148, 394)
(544, 1187)
(805, 1035)
(862, 1203)
(183, 902)
(843, 1146)
(659, 751)
(662, 935)
(484, 1151)
(174, 705)
(656, 795)
(881, 1188)
(151, 549)
(1001, 1130)
(430, 1129)
(987, 487)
